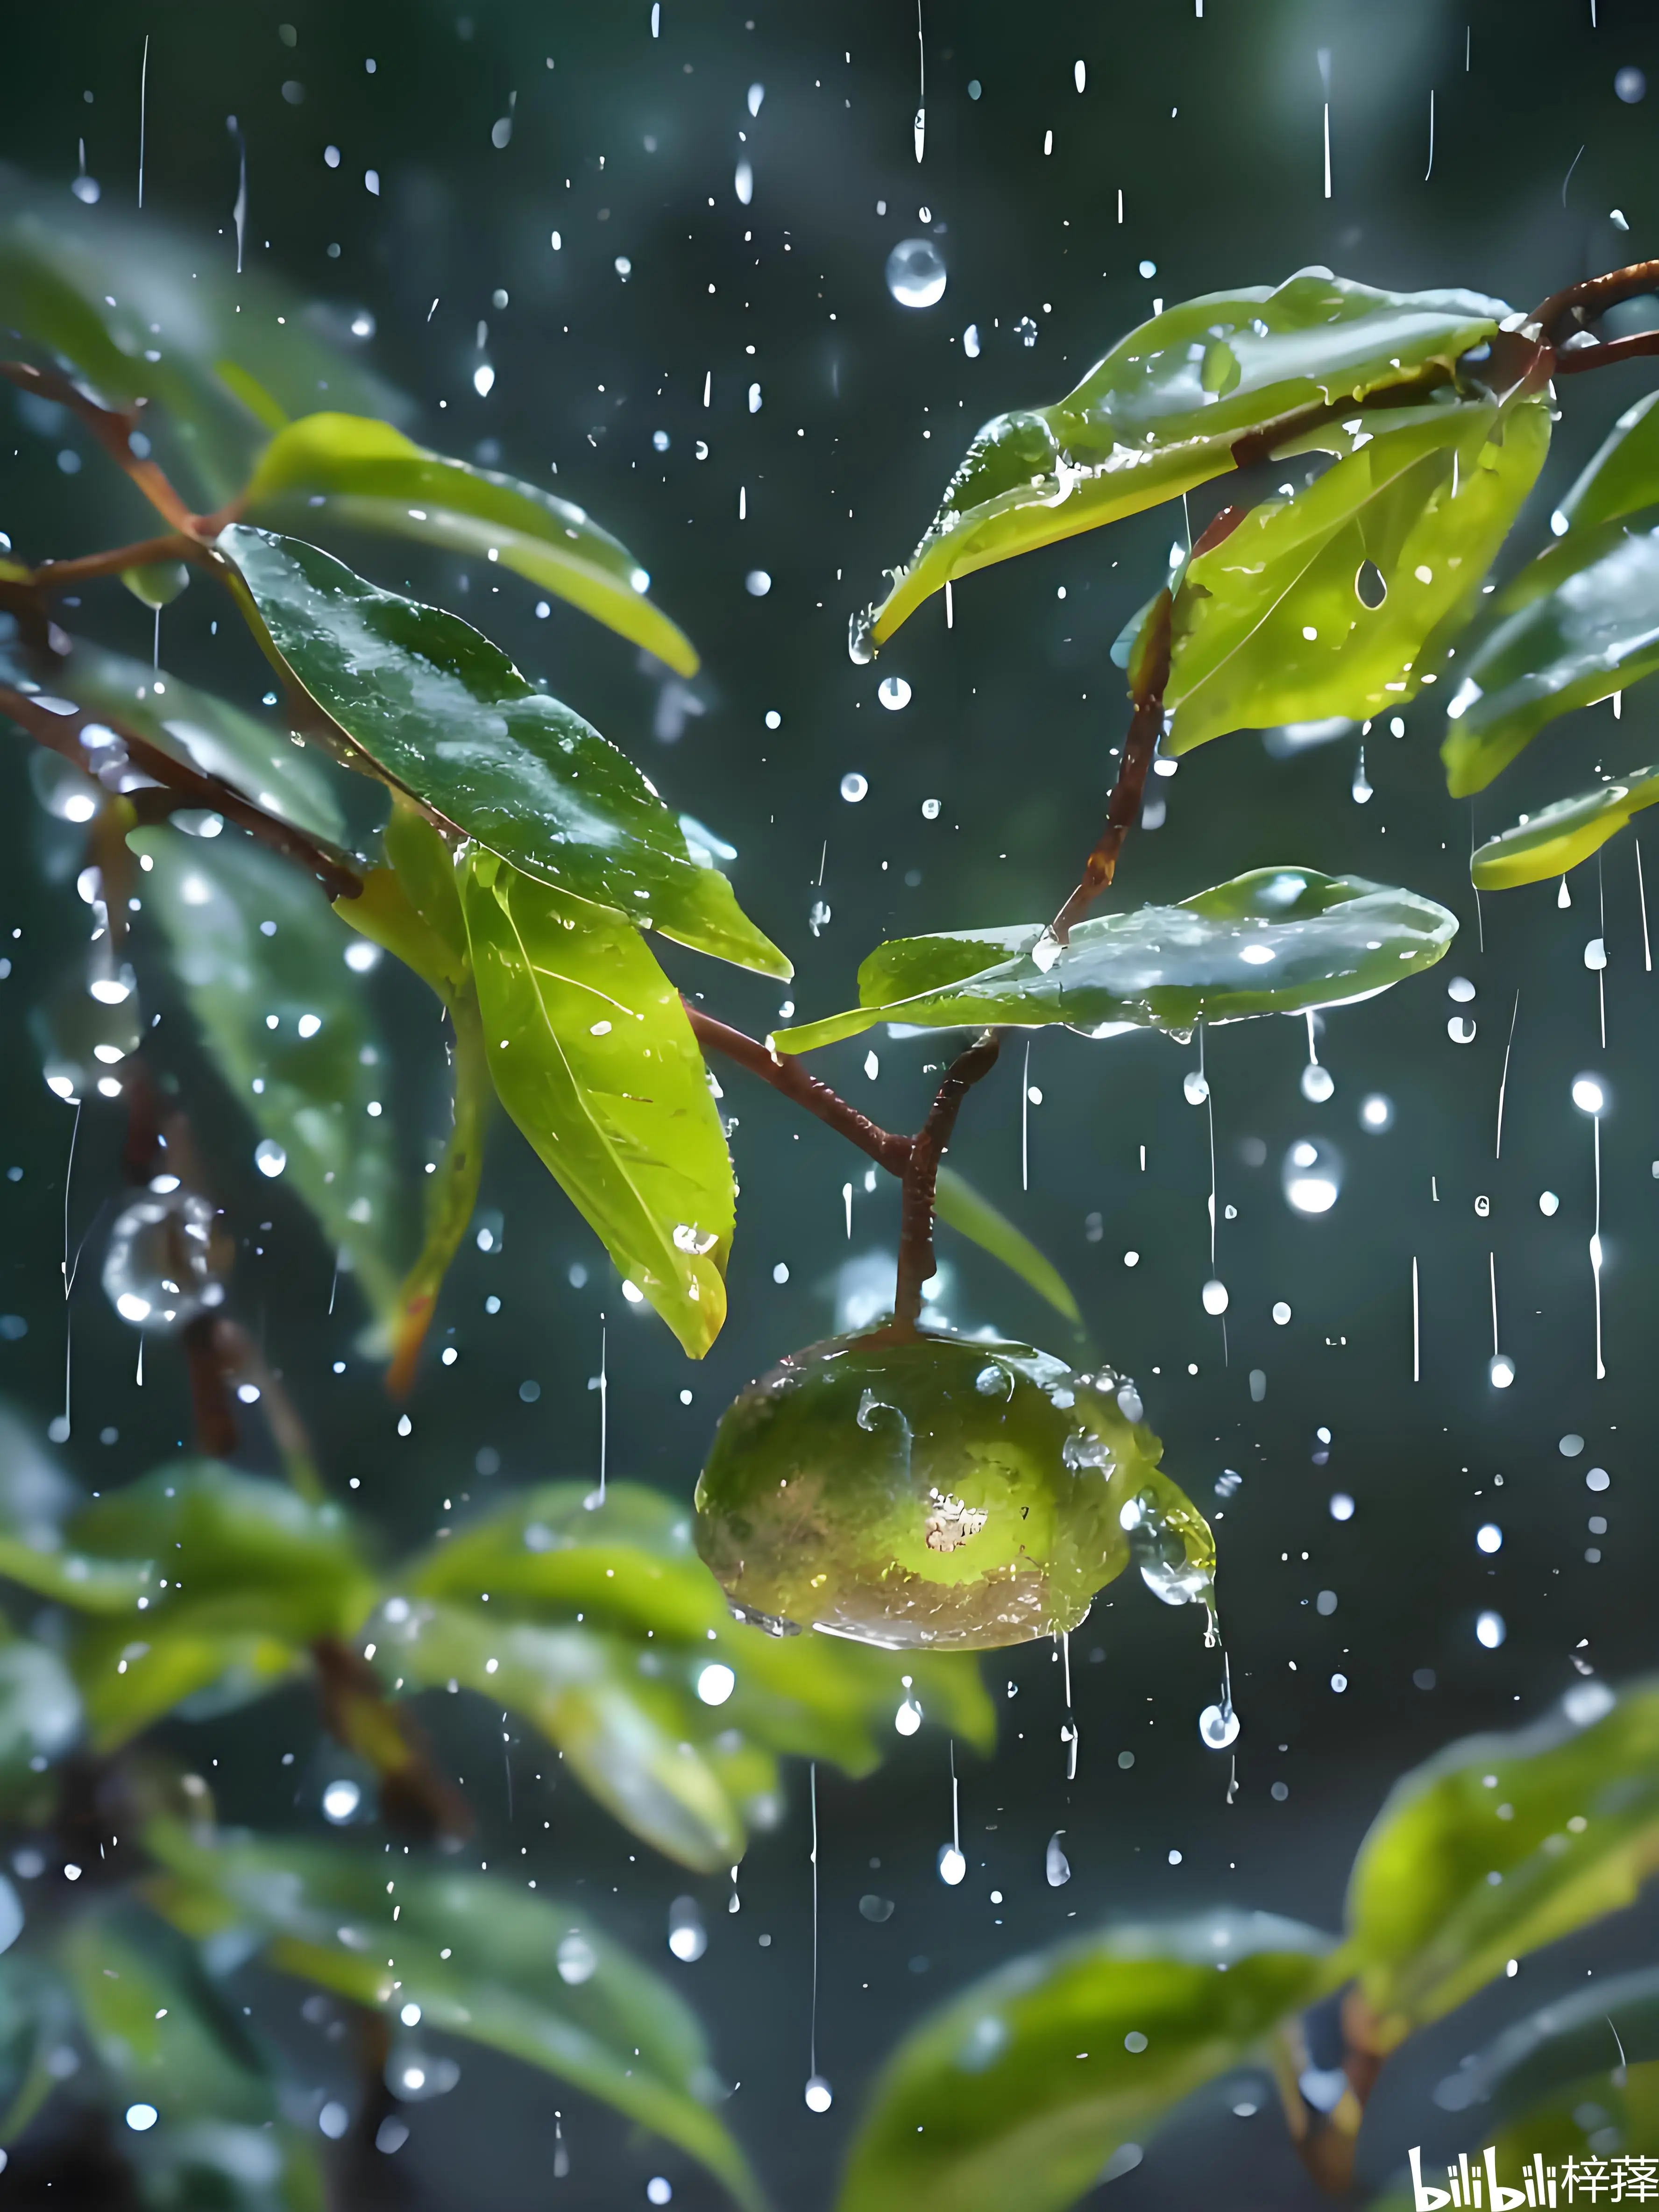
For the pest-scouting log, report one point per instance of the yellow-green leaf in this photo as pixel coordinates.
(1560, 836)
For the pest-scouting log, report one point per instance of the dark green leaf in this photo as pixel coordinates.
(1276, 624)
(1163, 412)
(1624, 476)
(1581, 622)
(445, 715)
(592, 1056)
(145, 314)
(1274, 941)
(624, 1735)
(370, 476)
(308, 1092)
(253, 1572)
(1569, 1825)
(1014, 2095)
(1560, 836)
(36, 2016)
(522, 1974)
(257, 759)
(957, 1201)
(1594, 2032)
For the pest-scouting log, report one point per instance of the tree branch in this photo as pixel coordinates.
(1572, 359)
(785, 1074)
(62, 575)
(1578, 305)
(113, 431)
(182, 785)
(927, 1146)
(1149, 677)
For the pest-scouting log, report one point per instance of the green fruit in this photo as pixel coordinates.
(940, 1492)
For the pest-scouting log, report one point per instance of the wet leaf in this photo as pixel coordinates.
(1166, 408)
(1018, 2092)
(253, 1572)
(629, 1565)
(1622, 477)
(39, 1711)
(523, 1974)
(1581, 622)
(36, 2017)
(1274, 941)
(1276, 623)
(222, 357)
(624, 1735)
(1560, 836)
(165, 2035)
(956, 1202)
(309, 1083)
(257, 759)
(373, 477)
(1569, 1826)
(445, 715)
(592, 1056)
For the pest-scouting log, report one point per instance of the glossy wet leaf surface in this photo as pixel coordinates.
(1274, 941)
(1019, 2090)
(1162, 412)
(326, 1062)
(942, 1493)
(1570, 1825)
(257, 758)
(350, 469)
(592, 1056)
(1282, 621)
(143, 312)
(1580, 623)
(1558, 836)
(1623, 477)
(446, 715)
(532, 1978)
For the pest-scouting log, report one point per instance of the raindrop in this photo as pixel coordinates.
(1218, 1726)
(1361, 787)
(1590, 1095)
(756, 94)
(687, 1939)
(854, 787)
(1317, 1083)
(140, 2117)
(930, 809)
(1195, 1086)
(715, 1685)
(1215, 1296)
(1571, 1445)
(1026, 331)
(1598, 1479)
(1548, 1203)
(970, 342)
(757, 583)
(340, 1801)
(269, 1158)
(1311, 1175)
(951, 1865)
(1281, 1313)
(1460, 1030)
(876, 1909)
(743, 183)
(1490, 1538)
(1629, 84)
(893, 693)
(158, 1271)
(1460, 990)
(1377, 1112)
(1490, 1630)
(1342, 1506)
(483, 379)
(818, 2094)
(1501, 1370)
(1055, 1864)
(1079, 75)
(907, 1719)
(915, 273)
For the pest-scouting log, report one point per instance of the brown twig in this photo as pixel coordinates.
(916, 1260)
(62, 575)
(182, 785)
(113, 430)
(785, 1074)
(1150, 675)
(1570, 361)
(1577, 306)
(415, 1800)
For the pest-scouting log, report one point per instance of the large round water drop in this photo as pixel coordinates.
(915, 273)
(1312, 1176)
(1219, 1725)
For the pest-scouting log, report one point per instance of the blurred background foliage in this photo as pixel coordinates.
(1485, 146)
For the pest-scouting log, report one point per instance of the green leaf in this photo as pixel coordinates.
(1624, 476)
(36, 2015)
(255, 1573)
(624, 1735)
(444, 714)
(1274, 941)
(372, 477)
(1163, 410)
(36, 1500)
(1274, 623)
(1568, 2042)
(257, 759)
(592, 1056)
(1579, 624)
(309, 1092)
(1569, 1825)
(39, 1711)
(1014, 2096)
(627, 1571)
(147, 313)
(957, 1201)
(1560, 836)
(520, 1973)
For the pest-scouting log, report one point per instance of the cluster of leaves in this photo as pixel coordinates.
(196, 1589)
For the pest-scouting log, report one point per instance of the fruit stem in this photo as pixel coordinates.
(1150, 674)
(915, 1260)
(786, 1073)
